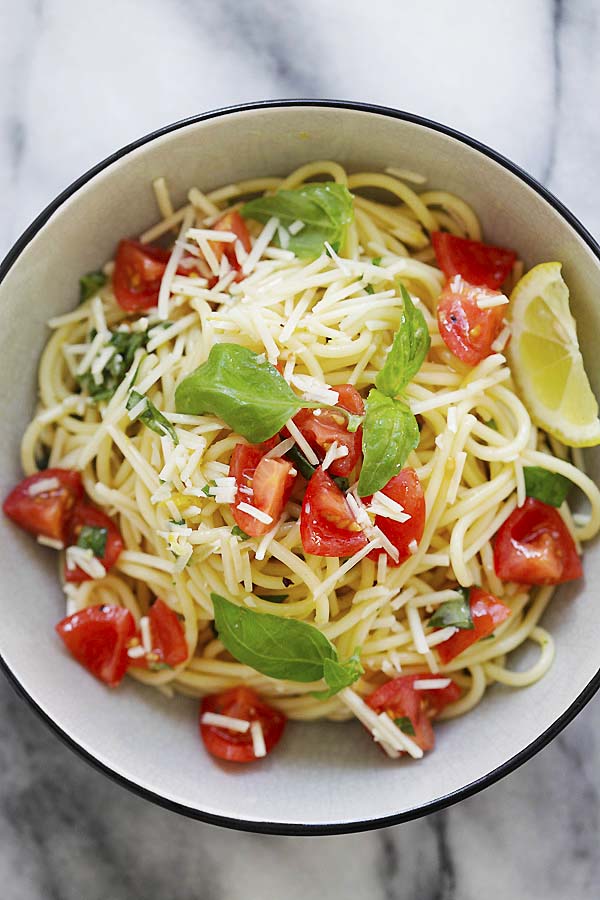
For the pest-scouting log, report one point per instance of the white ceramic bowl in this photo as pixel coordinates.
(324, 777)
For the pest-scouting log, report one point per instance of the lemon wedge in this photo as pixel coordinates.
(546, 360)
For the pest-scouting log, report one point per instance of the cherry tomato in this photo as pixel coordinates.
(327, 524)
(98, 637)
(534, 546)
(84, 514)
(468, 331)
(400, 700)
(139, 269)
(477, 263)
(487, 613)
(239, 703)
(437, 699)
(405, 488)
(49, 512)
(231, 221)
(322, 430)
(263, 483)
(169, 645)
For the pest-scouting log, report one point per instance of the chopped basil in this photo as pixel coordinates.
(405, 725)
(369, 289)
(159, 666)
(376, 261)
(177, 521)
(326, 210)
(151, 416)
(549, 487)
(90, 284)
(94, 539)
(307, 470)
(282, 648)
(274, 598)
(237, 531)
(125, 344)
(491, 423)
(454, 612)
(206, 489)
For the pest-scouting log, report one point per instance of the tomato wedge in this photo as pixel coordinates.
(534, 546)
(239, 703)
(327, 524)
(265, 484)
(405, 488)
(400, 700)
(487, 613)
(231, 221)
(86, 515)
(468, 331)
(169, 646)
(477, 263)
(98, 637)
(322, 430)
(45, 512)
(437, 699)
(139, 269)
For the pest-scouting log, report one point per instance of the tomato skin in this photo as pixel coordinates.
(269, 481)
(168, 637)
(400, 700)
(467, 331)
(534, 546)
(322, 430)
(231, 221)
(47, 513)
(327, 524)
(477, 263)
(487, 613)
(98, 637)
(239, 703)
(84, 514)
(405, 488)
(438, 699)
(139, 269)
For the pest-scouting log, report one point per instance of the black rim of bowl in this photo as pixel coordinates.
(283, 828)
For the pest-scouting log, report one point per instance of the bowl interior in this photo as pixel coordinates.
(324, 774)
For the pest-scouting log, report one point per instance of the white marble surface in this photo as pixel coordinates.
(79, 78)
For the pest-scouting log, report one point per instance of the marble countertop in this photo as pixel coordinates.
(77, 80)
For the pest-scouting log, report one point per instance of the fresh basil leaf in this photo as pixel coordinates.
(206, 489)
(307, 470)
(405, 725)
(90, 284)
(549, 487)
(390, 432)
(274, 646)
(339, 675)
(94, 539)
(376, 261)
(454, 612)
(237, 531)
(274, 598)
(410, 347)
(326, 209)
(125, 345)
(241, 388)
(369, 289)
(152, 417)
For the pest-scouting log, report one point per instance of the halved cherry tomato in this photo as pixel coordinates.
(327, 524)
(437, 699)
(534, 546)
(169, 645)
(322, 430)
(84, 514)
(405, 488)
(98, 637)
(468, 331)
(400, 700)
(487, 613)
(477, 263)
(49, 512)
(239, 703)
(265, 484)
(231, 221)
(139, 269)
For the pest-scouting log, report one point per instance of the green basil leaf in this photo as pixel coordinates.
(549, 487)
(274, 646)
(390, 432)
(177, 521)
(326, 209)
(94, 539)
(152, 417)
(125, 345)
(90, 284)
(339, 675)
(376, 261)
(410, 347)
(206, 489)
(159, 666)
(405, 725)
(243, 389)
(237, 531)
(454, 612)
(307, 470)
(369, 289)
(274, 598)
